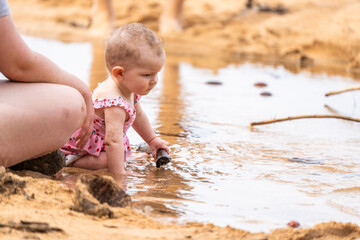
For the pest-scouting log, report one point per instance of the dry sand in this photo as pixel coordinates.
(316, 36)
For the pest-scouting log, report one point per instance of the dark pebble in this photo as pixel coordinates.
(260, 84)
(214, 83)
(266, 94)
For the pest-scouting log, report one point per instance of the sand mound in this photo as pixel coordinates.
(316, 36)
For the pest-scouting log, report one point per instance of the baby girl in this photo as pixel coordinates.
(134, 56)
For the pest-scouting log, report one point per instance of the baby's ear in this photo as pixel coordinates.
(117, 71)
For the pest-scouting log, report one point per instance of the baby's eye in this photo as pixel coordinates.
(147, 75)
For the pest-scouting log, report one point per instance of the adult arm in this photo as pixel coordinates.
(19, 63)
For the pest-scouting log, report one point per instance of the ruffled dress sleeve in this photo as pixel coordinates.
(110, 102)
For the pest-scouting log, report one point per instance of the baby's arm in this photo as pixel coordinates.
(114, 139)
(143, 128)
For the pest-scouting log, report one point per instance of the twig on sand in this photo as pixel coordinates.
(301, 117)
(30, 226)
(342, 91)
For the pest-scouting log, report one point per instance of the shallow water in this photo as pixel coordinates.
(222, 171)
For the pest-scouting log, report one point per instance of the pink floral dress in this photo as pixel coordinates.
(96, 143)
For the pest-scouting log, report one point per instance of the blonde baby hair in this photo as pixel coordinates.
(125, 44)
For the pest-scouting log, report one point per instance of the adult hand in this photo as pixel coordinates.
(87, 126)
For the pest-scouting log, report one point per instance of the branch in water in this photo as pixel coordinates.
(303, 116)
(342, 91)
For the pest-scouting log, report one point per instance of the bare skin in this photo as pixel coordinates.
(172, 17)
(41, 104)
(102, 17)
(36, 118)
(92, 162)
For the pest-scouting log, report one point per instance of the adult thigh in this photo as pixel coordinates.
(36, 118)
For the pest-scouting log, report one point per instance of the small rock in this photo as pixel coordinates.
(214, 83)
(293, 224)
(143, 147)
(260, 84)
(266, 94)
(48, 164)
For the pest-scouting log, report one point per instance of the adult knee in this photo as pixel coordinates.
(3, 160)
(74, 109)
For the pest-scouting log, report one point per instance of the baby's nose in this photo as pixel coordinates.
(155, 80)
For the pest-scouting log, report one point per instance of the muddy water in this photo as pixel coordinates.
(222, 171)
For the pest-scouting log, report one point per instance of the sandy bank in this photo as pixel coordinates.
(316, 36)
(33, 197)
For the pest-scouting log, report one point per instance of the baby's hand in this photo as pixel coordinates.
(156, 144)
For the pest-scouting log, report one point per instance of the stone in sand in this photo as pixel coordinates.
(48, 164)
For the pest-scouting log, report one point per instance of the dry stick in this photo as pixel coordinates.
(341, 91)
(303, 116)
(331, 109)
(313, 116)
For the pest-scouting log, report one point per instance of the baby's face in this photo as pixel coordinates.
(143, 77)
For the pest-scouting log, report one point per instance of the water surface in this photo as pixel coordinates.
(222, 171)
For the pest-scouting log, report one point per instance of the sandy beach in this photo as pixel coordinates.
(317, 36)
(36, 198)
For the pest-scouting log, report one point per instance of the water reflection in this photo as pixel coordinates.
(221, 172)
(169, 118)
(98, 72)
(165, 186)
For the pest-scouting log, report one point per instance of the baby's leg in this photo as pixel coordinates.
(135, 156)
(92, 162)
(36, 118)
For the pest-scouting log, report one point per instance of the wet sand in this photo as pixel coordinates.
(319, 36)
(45, 200)
(316, 36)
